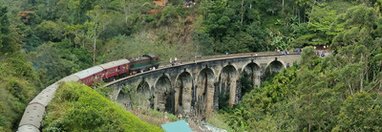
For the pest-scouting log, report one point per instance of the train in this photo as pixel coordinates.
(34, 112)
(117, 69)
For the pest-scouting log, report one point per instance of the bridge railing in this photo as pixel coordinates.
(222, 56)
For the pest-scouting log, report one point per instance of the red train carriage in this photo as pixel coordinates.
(115, 69)
(91, 75)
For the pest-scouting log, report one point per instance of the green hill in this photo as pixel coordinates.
(77, 107)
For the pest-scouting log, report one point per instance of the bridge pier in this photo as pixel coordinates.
(233, 91)
(205, 91)
(183, 93)
(164, 95)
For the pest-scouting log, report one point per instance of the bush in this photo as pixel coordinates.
(18, 86)
(77, 107)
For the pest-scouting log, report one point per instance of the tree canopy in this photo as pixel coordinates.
(42, 41)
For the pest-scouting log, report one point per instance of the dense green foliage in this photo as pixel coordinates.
(340, 92)
(77, 107)
(18, 80)
(42, 41)
(326, 94)
(17, 87)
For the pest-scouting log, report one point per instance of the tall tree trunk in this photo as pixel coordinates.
(350, 89)
(94, 44)
(242, 12)
(283, 8)
(361, 83)
(362, 75)
(125, 9)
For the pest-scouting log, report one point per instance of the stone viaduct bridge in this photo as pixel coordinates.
(201, 86)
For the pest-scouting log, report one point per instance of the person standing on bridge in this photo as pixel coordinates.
(171, 62)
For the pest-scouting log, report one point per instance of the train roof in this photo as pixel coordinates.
(114, 63)
(70, 78)
(88, 72)
(33, 115)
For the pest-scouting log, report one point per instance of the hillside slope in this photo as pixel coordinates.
(77, 107)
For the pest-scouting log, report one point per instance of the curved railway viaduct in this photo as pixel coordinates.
(193, 88)
(201, 86)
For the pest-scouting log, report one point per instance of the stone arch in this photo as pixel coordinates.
(249, 78)
(249, 65)
(146, 97)
(183, 93)
(225, 92)
(276, 60)
(230, 65)
(123, 97)
(164, 94)
(274, 67)
(204, 92)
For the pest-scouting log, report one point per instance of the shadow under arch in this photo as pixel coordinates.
(225, 92)
(204, 92)
(144, 91)
(164, 95)
(124, 98)
(272, 68)
(249, 79)
(183, 93)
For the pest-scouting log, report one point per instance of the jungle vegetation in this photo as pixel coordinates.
(42, 41)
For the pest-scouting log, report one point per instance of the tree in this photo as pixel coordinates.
(99, 20)
(359, 22)
(228, 31)
(360, 113)
(50, 31)
(8, 40)
(84, 7)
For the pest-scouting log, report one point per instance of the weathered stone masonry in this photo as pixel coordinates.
(199, 87)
